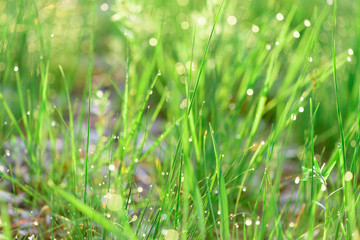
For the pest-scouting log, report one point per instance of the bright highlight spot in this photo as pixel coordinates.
(248, 222)
(296, 34)
(104, 7)
(111, 167)
(279, 17)
(232, 20)
(153, 42)
(307, 23)
(255, 28)
(348, 176)
(249, 92)
(201, 21)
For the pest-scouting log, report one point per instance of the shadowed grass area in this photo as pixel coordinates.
(179, 119)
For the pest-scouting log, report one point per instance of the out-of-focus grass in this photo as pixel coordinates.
(179, 119)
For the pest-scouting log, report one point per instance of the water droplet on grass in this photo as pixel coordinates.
(232, 20)
(153, 42)
(296, 34)
(307, 23)
(301, 109)
(171, 234)
(201, 21)
(111, 167)
(114, 202)
(104, 7)
(249, 92)
(248, 222)
(255, 28)
(279, 17)
(16, 68)
(350, 52)
(348, 176)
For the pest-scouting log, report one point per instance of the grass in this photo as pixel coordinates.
(179, 119)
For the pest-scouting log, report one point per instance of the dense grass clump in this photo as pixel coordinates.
(179, 119)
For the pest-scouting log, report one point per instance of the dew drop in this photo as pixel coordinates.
(153, 42)
(248, 222)
(255, 28)
(279, 17)
(348, 176)
(111, 167)
(249, 92)
(201, 21)
(296, 34)
(104, 7)
(232, 20)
